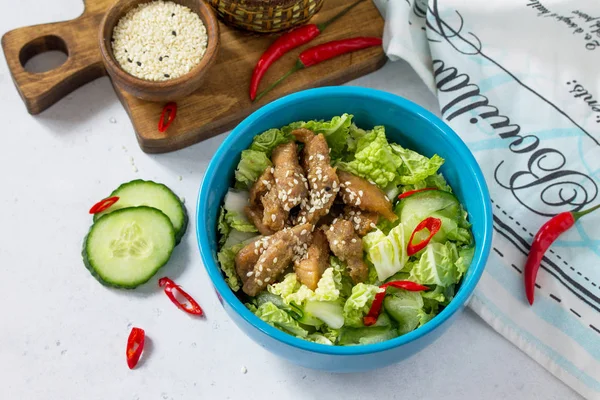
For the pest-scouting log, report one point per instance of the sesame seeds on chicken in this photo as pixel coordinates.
(322, 178)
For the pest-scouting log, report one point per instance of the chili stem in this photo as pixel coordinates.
(325, 24)
(579, 214)
(296, 68)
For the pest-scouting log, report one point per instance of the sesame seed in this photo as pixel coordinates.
(296, 181)
(249, 274)
(353, 240)
(334, 221)
(273, 217)
(358, 201)
(287, 173)
(267, 279)
(146, 33)
(372, 225)
(335, 242)
(303, 232)
(260, 283)
(310, 158)
(343, 242)
(360, 193)
(357, 220)
(256, 252)
(275, 260)
(272, 170)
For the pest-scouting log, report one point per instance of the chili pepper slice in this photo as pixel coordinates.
(287, 42)
(167, 116)
(375, 309)
(190, 306)
(103, 204)
(410, 193)
(324, 52)
(433, 225)
(544, 238)
(135, 346)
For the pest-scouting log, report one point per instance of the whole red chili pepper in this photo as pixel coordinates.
(410, 193)
(103, 204)
(287, 42)
(135, 346)
(169, 113)
(433, 225)
(190, 306)
(324, 52)
(373, 314)
(547, 234)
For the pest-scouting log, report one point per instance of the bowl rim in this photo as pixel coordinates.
(212, 32)
(467, 286)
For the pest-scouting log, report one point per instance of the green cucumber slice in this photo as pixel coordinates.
(438, 204)
(125, 248)
(151, 194)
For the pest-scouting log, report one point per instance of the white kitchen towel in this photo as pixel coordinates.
(519, 81)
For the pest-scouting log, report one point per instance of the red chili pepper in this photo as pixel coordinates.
(547, 234)
(287, 42)
(135, 346)
(324, 52)
(103, 204)
(373, 314)
(171, 289)
(169, 113)
(433, 225)
(407, 194)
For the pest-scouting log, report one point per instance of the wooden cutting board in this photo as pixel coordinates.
(223, 100)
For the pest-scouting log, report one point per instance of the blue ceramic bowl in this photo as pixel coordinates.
(407, 124)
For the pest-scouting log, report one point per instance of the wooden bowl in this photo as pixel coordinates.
(159, 91)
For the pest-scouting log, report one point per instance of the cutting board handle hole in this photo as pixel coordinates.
(44, 54)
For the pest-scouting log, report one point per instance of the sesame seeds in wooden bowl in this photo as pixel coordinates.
(159, 50)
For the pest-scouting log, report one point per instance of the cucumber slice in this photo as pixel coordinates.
(151, 194)
(404, 307)
(127, 247)
(438, 204)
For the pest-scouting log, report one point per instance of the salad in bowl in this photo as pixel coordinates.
(333, 234)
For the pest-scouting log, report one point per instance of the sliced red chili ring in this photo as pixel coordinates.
(171, 289)
(167, 116)
(103, 204)
(135, 346)
(433, 225)
(375, 309)
(410, 193)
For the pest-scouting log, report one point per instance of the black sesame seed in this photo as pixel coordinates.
(129, 59)
(167, 76)
(174, 33)
(166, 56)
(159, 58)
(327, 188)
(125, 50)
(172, 15)
(139, 63)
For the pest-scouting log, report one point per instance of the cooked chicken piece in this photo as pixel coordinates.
(283, 247)
(347, 246)
(361, 193)
(310, 269)
(303, 135)
(335, 211)
(291, 184)
(255, 215)
(322, 178)
(262, 186)
(363, 221)
(274, 216)
(246, 258)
